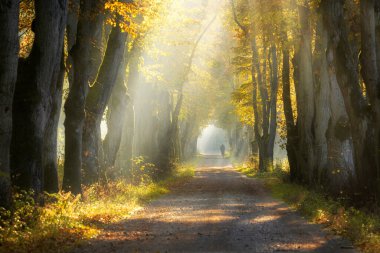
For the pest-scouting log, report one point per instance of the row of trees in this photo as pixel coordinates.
(68, 38)
(305, 71)
(27, 89)
(322, 59)
(88, 62)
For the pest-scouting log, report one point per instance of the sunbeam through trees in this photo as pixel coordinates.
(107, 105)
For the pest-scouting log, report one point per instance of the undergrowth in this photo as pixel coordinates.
(67, 220)
(360, 226)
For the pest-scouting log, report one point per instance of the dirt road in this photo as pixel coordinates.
(219, 210)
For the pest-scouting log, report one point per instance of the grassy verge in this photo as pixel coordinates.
(360, 226)
(68, 220)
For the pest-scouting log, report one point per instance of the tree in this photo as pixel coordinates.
(119, 101)
(89, 28)
(35, 85)
(291, 128)
(98, 98)
(9, 47)
(169, 146)
(305, 95)
(333, 151)
(362, 114)
(265, 115)
(50, 160)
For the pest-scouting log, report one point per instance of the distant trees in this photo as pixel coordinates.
(170, 145)
(265, 112)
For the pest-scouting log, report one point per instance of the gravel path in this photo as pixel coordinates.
(220, 210)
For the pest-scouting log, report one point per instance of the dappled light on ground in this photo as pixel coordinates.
(219, 210)
(265, 218)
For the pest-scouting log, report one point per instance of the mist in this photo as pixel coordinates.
(210, 140)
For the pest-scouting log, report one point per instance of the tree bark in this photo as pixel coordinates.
(322, 105)
(88, 29)
(341, 168)
(9, 47)
(71, 33)
(272, 131)
(370, 74)
(291, 130)
(126, 151)
(33, 96)
(165, 118)
(361, 115)
(50, 160)
(168, 147)
(265, 133)
(186, 133)
(97, 101)
(334, 158)
(116, 117)
(377, 26)
(305, 99)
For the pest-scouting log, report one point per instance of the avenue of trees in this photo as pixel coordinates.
(305, 73)
(87, 62)
(313, 67)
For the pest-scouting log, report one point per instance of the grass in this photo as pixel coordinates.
(67, 220)
(360, 226)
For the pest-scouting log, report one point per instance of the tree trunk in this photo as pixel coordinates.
(97, 101)
(89, 26)
(255, 67)
(334, 161)
(164, 125)
(377, 23)
(272, 131)
(71, 33)
(305, 99)
(169, 144)
(265, 133)
(35, 86)
(186, 133)
(126, 151)
(322, 105)
(127, 148)
(370, 74)
(291, 131)
(9, 47)
(50, 160)
(116, 118)
(341, 61)
(341, 169)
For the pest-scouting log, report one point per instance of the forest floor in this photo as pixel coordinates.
(219, 210)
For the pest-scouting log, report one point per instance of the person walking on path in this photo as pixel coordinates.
(222, 150)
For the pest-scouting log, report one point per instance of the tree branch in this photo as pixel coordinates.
(197, 43)
(241, 26)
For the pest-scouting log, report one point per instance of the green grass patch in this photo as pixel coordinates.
(68, 220)
(360, 226)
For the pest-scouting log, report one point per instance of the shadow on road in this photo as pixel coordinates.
(219, 210)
